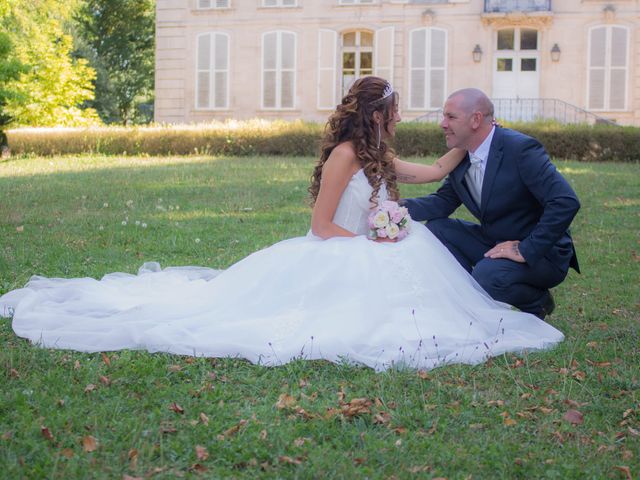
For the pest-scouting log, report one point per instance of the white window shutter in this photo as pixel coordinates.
(288, 69)
(618, 75)
(417, 67)
(597, 59)
(327, 81)
(203, 71)
(438, 57)
(383, 53)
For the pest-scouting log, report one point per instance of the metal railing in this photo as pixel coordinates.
(491, 6)
(533, 110)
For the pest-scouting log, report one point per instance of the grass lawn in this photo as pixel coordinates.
(573, 412)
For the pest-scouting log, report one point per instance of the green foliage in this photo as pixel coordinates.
(121, 37)
(55, 87)
(507, 418)
(256, 137)
(10, 69)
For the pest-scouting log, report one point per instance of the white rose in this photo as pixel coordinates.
(392, 230)
(381, 219)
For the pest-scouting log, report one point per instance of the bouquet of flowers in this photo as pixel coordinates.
(389, 220)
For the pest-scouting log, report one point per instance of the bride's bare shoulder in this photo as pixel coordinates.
(344, 157)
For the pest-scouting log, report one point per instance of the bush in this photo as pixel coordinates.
(258, 137)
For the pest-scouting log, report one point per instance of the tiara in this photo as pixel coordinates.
(388, 91)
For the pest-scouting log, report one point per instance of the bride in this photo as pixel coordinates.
(334, 294)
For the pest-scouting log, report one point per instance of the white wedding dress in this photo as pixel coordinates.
(344, 299)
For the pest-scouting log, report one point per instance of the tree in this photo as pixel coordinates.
(121, 34)
(56, 85)
(10, 69)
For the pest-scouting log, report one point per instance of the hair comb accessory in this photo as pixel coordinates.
(388, 91)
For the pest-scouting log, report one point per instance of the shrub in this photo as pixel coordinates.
(258, 137)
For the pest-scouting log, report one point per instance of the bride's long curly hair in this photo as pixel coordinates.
(353, 122)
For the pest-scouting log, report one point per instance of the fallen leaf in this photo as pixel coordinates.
(508, 421)
(263, 434)
(592, 344)
(627, 454)
(496, 403)
(204, 419)
(357, 406)
(46, 433)
(20, 229)
(67, 452)
(176, 408)
(579, 375)
(133, 459)
(89, 388)
(198, 468)
(633, 431)
(105, 380)
(289, 460)
(233, 430)
(89, 444)
(382, 418)
(419, 468)
(167, 427)
(13, 373)
(574, 417)
(174, 368)
(285, 401)
(76, 365)
(106, 359)
(359, 460)
(201, 452)
(424, 375)
(299, 442)
(626, 471)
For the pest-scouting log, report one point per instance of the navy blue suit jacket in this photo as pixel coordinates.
(523, 198)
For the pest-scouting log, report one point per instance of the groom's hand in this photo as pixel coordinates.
(509, 249)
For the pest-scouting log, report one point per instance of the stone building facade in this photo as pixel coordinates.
(292, 59)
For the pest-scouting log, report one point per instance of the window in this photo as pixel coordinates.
(207, 4)
(427, 68)
(355, 2)
(608, 64)
(278, 70)
(212, 71)
(279, 3)
(357, 57)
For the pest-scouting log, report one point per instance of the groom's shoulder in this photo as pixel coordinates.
(512, 137)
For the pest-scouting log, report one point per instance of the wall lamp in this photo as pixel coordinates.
(477, 53)
(555, 53)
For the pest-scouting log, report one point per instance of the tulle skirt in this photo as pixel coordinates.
(404, 304)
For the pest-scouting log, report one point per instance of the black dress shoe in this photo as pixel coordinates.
(548, 305)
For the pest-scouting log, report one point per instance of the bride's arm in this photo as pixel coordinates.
(408, 172)
(336, 174)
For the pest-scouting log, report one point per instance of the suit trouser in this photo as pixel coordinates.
(517, 284)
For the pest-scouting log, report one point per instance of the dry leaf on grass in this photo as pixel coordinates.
(89, 444)
(204, 419)
(574, 417)
(176, 408)
(285, 401)
(201, 452)
(46, 433)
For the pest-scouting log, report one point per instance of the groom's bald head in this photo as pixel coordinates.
(467, 118)
(472, 100)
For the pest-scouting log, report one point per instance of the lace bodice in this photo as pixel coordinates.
(353, 209)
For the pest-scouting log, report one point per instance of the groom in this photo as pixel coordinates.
(521, 248)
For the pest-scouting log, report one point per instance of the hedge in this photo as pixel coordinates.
(256, 137)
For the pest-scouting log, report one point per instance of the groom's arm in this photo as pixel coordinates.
(440, 204)
(558, 199)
